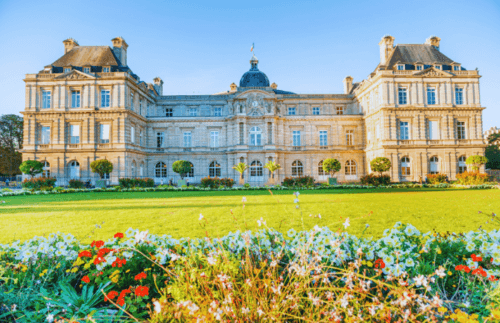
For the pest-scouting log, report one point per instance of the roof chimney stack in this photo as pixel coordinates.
(69, 44)
(433, 41)
(120, 49)
(158, 85)
(347, 84)
(386, 46)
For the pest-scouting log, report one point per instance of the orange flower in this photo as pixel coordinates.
(141, 291)
(140, 276)
(111, 295)
(86, 279)
(85, 253)
(118, 235)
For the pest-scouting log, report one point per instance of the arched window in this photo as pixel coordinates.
(46, 169)
(141, 170)
(321, 171)
(350, 168)
(405, 166)
(297, 168)
(214, 169)
(434, 165)
(462, 166)
(255, 136)
(133, 167)
(256, 169)
(191, 173)
(74, 169)
(161, 170)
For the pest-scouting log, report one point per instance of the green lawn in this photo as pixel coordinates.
(177, 213)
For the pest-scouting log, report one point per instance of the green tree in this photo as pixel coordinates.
(31, 167)
(492, 151)
(476, 161)
(331, 165)
(10, 160)
(101, 167)
(11, 140)
(380, 165)
(272, 166)
(240, 168)
(181, 167)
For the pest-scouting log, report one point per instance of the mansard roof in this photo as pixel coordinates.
(88, 56)
(417, 53)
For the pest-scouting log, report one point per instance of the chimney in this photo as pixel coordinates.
(120, 49)
(274, 86)
(347, 84)
(386, 46)
(158, 85)
(69, 44)
(433, 41)
(233, 87)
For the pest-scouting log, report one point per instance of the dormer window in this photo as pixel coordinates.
(400, 67)
(456, 67)
(438, 67)
(67, 70)
(419, 67)
(105, 69)
(86, 70)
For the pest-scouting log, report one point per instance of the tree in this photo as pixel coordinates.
(101, 167)
(476, 161)
(492, 151)
(11, 139)
(10, 160)
(181, 167)
(31, 167)
(240, 168)
(380, 165)
(272, 166)
(331, 165)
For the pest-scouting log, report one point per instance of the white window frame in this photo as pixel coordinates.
(160, 139)
(400, 67)
(214, 139)
(132, 134)
(169, 112)
(105, 69)
(67, 70)
(404, 130)
(339, 110)
(433, 133)
(45, 135)
(405, 166)
(296, 138)
(187, 139)
(104, 132)
(292, 111)
(316, 111)
(351, 169)
(431, 95)
(297, 168)
(105, 98)
(349, 137)
(462, 166)
(323, 138)
(193, 112)
(214, 169)
(434, 165)
(74, 129)
(160, 170)
(217, 112)
(419, 67)
(461, 129)
(75, 98)
(402, 96)
(46, 99)
(459, 94)
(86, 70)
(255, 136)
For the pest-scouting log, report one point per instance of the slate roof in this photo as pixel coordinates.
(417, 53)
(88, 56)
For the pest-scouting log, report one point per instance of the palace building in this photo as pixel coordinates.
(418, 107)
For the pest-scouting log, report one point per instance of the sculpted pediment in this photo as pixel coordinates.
(432, 72)
(76, 75)
(254, 103)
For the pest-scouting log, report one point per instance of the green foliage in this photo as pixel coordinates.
(181, 167)
(302, 181)
(272, 166)
(215, 182)
(380, 165)
(31, 167)
(38, 183)
(476, 161)
(76, 183)
(372, 179)
(331, 166)
(246, 185)
(472, 178)
(437, 178)
(101, 167)
(240, 168)
(136, 182)
(492, 151)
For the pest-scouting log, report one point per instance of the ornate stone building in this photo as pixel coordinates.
(418, 107)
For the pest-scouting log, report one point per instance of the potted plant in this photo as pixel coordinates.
(331, 165)
(272, 166)
(240, 168)
(181, 167)
(101, 167)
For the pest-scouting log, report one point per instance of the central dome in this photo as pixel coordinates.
(254, 77)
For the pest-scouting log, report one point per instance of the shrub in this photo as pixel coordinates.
(246, 185)
(472, 178)
(211, 182)
(101, 167)
(437, 178)
(136, 182)
(476, 161)
(380, 165)
(372, 179)
(31, 167)
(301, 181)
(181, 167)
(227, 182)
(331, 166)
(39, 183)
(76, 183)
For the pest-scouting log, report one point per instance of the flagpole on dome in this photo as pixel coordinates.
(252, 49)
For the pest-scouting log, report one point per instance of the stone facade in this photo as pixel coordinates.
(72, 105)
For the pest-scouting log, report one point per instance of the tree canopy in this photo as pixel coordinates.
(476, 161)
(181, 167)
(380, 165)
(31, 167)
(101, 167)
(492, 151)
(11, 139)
(331, 165)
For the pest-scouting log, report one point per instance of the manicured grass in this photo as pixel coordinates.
(177, 213)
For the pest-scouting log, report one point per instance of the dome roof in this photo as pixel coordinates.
(254, 77)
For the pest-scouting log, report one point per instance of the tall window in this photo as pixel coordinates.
(431, 95)
(141, 170)
(132, 134)
(75, 134)
(191, 172)
(459, 96)
(75, 99)
(255, 136)
(404, 130)
(433, 127)
(105, 98)
(297, 168)
(316, 111)
(350, 168)
(256, 169)
(187, 140)
(462, 167)
(269, 133)
(349, 137)
(169, 112)
(242, 135)
(340, 110)
(132, 101)
(323, 138)
(461, 134)
(160, 139)
(161, 170)
(321, 171)
(104, 133)
(133, 168)
(214, 170)
(193, 112)
(45, 135)
(405, 166)
(46, 169)
(296, 138)
(140, 137)
(217, 112)
(45, 99)
(434, 165)
(291, 111)
(402, 95)
(74, 169)
(214, 139)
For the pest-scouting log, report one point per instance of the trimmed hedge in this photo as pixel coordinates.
(215, 182)
(136, 182)
(39, 183)
(372, 179)
(299, 181)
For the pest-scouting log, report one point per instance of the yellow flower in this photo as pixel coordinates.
(115, 279)
(43, 273)
(74, 270)
(450, 273)
(127, 270)
(24, 269)
(442, 309)
(58, 265)
(369, 264)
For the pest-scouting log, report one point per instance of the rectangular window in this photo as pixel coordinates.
(242, 136)
(296, 138)
(75, 99)
(404, 130)
(169, 112)
(160, 139)
(340, 110)
(214, 139)
(218, 112)
(45, 135)
(431, 95)
(459, 96)
(438, 67)
(187, 139)
(45, 99)
(461, 134)
(420, 67)
(316, 111)
(105, 134)
(193, 112)
(402, 95)
(67, 70)
(105, 98)
(433, 128)
(132, 134)
(75, 134)
(401, 67)
(105, 69)
(131, 101)
(456, 68)
(323, 138)
(86, 70)
(349, 137)
(291, 111)
(140, 137)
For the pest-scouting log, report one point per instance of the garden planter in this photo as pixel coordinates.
(332, 181)
(100, 183)
(181, 182)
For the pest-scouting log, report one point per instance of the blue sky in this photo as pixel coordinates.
(201, 47)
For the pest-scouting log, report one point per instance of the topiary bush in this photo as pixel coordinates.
(181, 167)
(372, 179)
(101, 167)
(331, 166)
(437, 178)
(39, 183)
(31, 167)
(76, 183)
(136, 182)
(380, 165)
(472, 178)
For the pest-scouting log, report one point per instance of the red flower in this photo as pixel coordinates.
(98, 244)
(379, 263)
(140, 276)
(98, 260)
(102, 252)
(463, 268)
(86, 279)
(111, 295)
(141, 291)
(120, 301)
(119, 262)
(118, 235)
(85, 253)
(479, 271)
(476, 258)
(492, 278)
